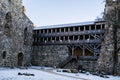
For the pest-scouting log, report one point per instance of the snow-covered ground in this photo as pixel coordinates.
(41, 73)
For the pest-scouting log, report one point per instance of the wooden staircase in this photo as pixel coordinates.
(66, 61)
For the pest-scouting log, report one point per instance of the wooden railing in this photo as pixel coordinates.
(75, 42)
(66, 61)
(70, 58)
(69, 33)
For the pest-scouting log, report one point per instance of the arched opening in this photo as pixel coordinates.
(8, 24)
(25, 36)
(20, 59)
(4, 54)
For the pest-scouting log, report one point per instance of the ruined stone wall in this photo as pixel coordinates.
(118, 38)
(108, 60)
(50, 55)
(13, 24)
(105, 60)
(27, 38)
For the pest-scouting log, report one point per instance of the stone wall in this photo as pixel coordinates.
(27, 38)
(53, 55)
(108, 61)
(105, 60)
(89, 65)
(14, 26)
(50, 55)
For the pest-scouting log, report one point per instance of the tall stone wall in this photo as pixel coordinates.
(50, 55)
(109, 57)
(54, 55)
(15, 29)
(105, 60)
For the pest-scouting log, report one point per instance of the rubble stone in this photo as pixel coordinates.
(15, 34)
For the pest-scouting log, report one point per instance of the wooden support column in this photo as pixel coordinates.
(47, 31)
(84, 28)
(68, 39)
(89, 27)
(95, 27)
(78, 28)
(60, 29)
(59, 38)
(51, 31)
(73, 51)
(64, 29)
(40, 31)
(89, 37)
(83, 51)
(83, 37)
(63, 38)
(101, 26)
(73, 38)
(68, 29)
(43, 31)
(94, 51)
(78, 38)
(55, 30)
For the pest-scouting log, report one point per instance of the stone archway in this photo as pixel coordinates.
(20, 59)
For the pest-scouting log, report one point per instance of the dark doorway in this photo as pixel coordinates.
(20, 59)
(88, 53)
(4, 54)
(78, 51)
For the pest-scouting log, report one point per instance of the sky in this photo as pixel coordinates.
(52, 12)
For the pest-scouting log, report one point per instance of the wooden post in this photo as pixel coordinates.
(73, 51)
(83, 51)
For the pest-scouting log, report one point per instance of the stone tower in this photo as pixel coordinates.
(15, 34)
(109, 61)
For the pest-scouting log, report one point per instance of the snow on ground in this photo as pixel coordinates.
(12, 74)
(42, 73)
(88, 76)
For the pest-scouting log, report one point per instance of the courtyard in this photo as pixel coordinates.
(43, 73)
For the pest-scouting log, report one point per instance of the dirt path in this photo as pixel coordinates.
(51, 71)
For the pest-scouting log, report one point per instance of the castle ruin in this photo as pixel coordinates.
(15, 34)
(94, 45)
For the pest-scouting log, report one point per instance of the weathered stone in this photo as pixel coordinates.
(50, 55)
(15, 34)
(74, 71)
(108, 61)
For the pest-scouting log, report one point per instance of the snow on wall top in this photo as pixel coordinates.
(66, 25)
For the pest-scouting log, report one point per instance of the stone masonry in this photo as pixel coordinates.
(15, 34)
(16, 41)
(109, 60)
(50, 55)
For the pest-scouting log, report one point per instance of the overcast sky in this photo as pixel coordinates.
(51, 12)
